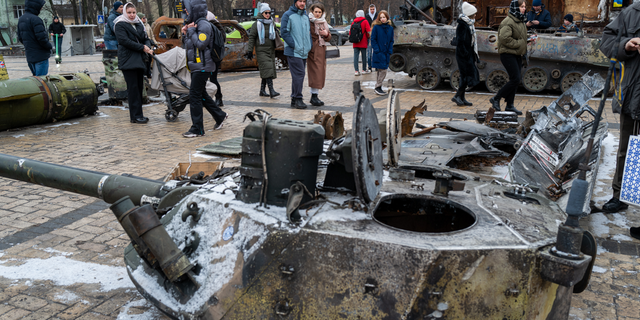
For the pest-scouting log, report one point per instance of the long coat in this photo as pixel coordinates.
(266, 53)
(131, 42)
(631, 82)
(316, 60)
(32, 33)
(382, 44)
(465, 54)
(512, 36)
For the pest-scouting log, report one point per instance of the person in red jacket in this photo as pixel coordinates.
(360, 48)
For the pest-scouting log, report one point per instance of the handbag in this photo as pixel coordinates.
(278, 41)
(332, 53)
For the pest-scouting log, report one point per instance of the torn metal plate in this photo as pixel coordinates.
(470, 127)
(393, 128)
(232, 147)
(366, 150)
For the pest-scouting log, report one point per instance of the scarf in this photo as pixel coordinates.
(514, 9)
(471, 23)
(123, 17)
(373, 15)
(272, 30)
(319, 22)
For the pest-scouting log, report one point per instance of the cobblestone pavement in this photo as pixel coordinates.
(42, 223)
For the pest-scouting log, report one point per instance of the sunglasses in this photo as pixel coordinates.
(266, 12)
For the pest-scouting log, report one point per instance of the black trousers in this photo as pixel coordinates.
(297, 68)
(513, 64)
(133, 78)
(200, 98)
(627, 126)
(462, 87)
(214, 80)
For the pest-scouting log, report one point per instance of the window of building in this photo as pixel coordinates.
(18, 11)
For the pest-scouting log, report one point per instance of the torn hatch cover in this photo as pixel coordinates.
(366, 150)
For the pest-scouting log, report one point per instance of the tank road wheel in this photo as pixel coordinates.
(397, 62)
(570, 79)
(535, 79)
(171, 115)
(454, 81)
(428, 78)
(496, 79)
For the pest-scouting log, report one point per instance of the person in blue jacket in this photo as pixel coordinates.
(568, 25)
(382, 45)
(295, 30)
(539, 17)
(110, 40)
(33, 35)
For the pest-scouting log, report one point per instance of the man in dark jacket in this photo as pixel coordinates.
(33, 35)
(199, 42)
(539, 17)
(57, 28)
(371, 16)
(627, 50)
(110, 40)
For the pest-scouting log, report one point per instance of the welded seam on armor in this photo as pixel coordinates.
(479, 201)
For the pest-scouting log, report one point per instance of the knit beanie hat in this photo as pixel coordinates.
(468, 9)
(537, 3)
(360, 14)
(117, 5)
(140, 15)
(569, 17)
(264, 7)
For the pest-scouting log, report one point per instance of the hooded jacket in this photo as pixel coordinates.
(629, 24)
(382, 44)
(366, 31)
(109, 31)
(544, 17)
(512, 36)
(198, 41)
(368, 17)
(295, 29)
(32, 33)
(57, 27)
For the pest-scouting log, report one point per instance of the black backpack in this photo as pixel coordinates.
(219, 39)
(355, 35)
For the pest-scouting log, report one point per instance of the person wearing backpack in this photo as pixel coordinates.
(199, 38)
(263, 37)
(296, 32)
(359, 36)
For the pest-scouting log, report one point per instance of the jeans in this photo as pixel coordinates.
(57, 45)
(513, 64)
(369, 55)
(111, 44)
(134, 78)
(39, 68)
(297, 67)
(363, 52)
(200, 98)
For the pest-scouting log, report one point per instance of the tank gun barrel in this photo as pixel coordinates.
(109, 188)
(421, 12)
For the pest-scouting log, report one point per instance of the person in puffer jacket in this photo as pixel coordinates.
(198, 40)
(33, 35)
(295, 29)
(110, 40)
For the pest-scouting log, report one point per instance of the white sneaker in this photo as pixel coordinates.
(367, 71)
(358, 73)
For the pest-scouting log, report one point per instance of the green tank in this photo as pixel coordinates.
(35, 100)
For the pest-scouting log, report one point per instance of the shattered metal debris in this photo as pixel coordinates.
(409, 119)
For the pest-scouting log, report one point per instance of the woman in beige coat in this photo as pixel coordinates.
(316, 61)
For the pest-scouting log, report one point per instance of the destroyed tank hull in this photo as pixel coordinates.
(555, 62)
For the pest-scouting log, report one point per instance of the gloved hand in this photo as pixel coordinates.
(249, 55)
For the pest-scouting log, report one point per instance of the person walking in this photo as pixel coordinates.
(263, 37)
(466, 53)
(133, 48)
(57, 28)
(33, 35)
(110, 40)
(371, 16)
(214, 76)
(317, 61)
(198, 41)
(296, 32)
(512, 45)
(627, 51)
(361, 29)
(382, 44)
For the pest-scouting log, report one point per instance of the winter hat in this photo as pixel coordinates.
(210, 16)
(56, 17)
(537, 3)
(569, 17)
(140, 15)
(117, 5)
(360, 14)
(264, 7)
(468, 9)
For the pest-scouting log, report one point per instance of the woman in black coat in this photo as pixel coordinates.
(466, 53)
(133, 47)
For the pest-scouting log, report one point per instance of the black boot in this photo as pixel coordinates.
(457, 100)
(219, 101)
(315, 101)
(614, 205)
(271, 89)
(298, 103)
(262, 86)
(512, 108)
(464, 100)
(495, 103)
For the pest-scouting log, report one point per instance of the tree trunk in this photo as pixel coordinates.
(160, 11)
(74, 5)
(53, 9)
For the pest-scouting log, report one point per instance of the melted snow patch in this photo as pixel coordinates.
(597, 269)
(66, 297)
(152, 313)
